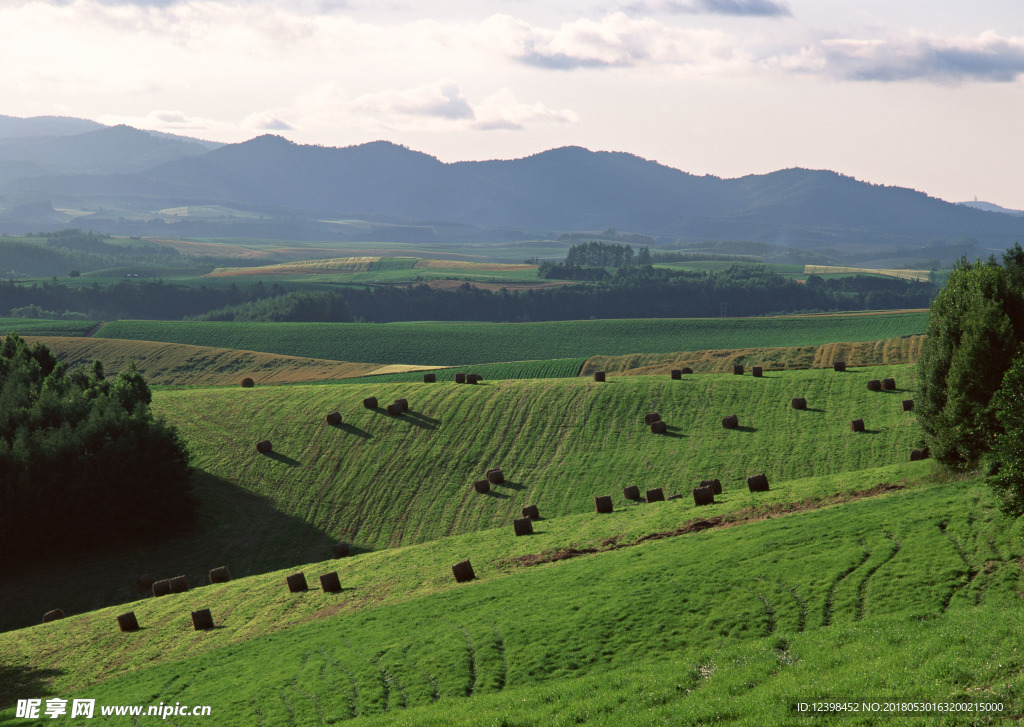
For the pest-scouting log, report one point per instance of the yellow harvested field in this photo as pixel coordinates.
(401, 369)
(181, 364)
(211, 249)
(924, 276)
(302, 267)
(866, 353)
(465, 265)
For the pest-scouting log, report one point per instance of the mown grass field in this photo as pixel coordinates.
(902, 350)
(379, 481)
(175, 364)
(906, 597)
(557, 368)
(454, 344)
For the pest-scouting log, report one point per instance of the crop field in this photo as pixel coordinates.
(566, 431)
(33, 327)
(903, 350)
(555, 368)
(455, 344)
(901, 595)
(170, 364)
(923, 276)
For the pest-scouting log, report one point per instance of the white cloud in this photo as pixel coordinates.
(987, 57)
(617, 41)
(442, 106)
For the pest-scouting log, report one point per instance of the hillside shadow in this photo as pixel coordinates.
(24, 682)
(233, 526)
(350, 429)
(283, 458)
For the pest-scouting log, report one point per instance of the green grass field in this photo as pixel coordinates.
(556, 368)
(454, 344)
(878, 600)
(41, 327)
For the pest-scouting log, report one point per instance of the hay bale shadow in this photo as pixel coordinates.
(350, 429)
(283, 458)
(493, 493)
(422, 417)
(415, 421)
(870, 431)
(815, 408)
(745, 429)
(512, 485)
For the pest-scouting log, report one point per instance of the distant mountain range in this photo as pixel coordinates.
(120, 179)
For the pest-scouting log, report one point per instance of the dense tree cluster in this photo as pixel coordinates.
(83, 460)
(975, 330)
(315, 306)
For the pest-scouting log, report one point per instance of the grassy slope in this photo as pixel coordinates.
(444, 344)
(34, 327)
(906, 597)
(901, 350)
(380, 481)
(172, 364)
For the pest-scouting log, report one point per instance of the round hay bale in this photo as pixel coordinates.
(522, 526)
(330, 583)
(731, 422)
(297, 582)
(161, 588)
(676, 373)
(370, 402)
(460, 378)
(179, 584)
(799, 403)
(651, 418)
(656, 495)
(482, 486)
(340, 550)
(264, 446)
(53, 615)
(631, 492)
(404, 403)
(429, 378)
(756, 371)
(220, 575)
(737, 370)
(839, 366)
(687, 370)
(599, 376)
(145, 582)
(202, 620)
(703, 496)
(874, 385)
(472, 378)
(603, 503)
(463, 572)
(908, 405)
(531, 512)
(334, 418)
(919, 454)
(395, 410)
(659, 427)
(128, 622)
(856, 425)
(494, 476)
(248, 383)
(889, 384)
(715, 485)
(757, 483)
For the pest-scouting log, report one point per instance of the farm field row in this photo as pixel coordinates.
(41, 327)
(454, 344)
(920, 583)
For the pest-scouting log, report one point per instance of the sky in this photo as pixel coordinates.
(896, 92)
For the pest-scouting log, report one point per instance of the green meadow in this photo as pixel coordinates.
(455, 344)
